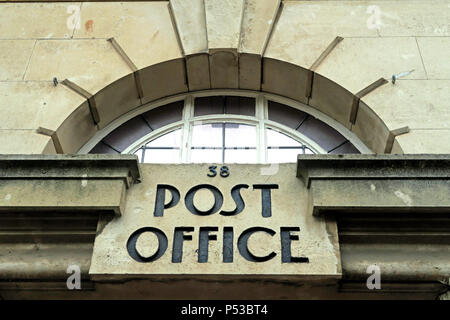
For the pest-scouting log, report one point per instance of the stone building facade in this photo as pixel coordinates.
(373, 75)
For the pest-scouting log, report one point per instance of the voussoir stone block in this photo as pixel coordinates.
(372, 131)
(331, 99)
(258, 19)
(163, 79)
(224, 69)
(197, 69)
(223, 23)
(250, 71)
(285, 79)
(190, 19)
(77, 129)
(257, 22)
(116, 99)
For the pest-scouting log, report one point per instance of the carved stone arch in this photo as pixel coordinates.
(171, 78)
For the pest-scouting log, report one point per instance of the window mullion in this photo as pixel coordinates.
(223, 142)
(261, 108)
(186, 133)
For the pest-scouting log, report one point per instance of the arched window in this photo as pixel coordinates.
(206, 128)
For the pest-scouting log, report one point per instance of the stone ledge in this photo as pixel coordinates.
(374, 183)
(66, 183)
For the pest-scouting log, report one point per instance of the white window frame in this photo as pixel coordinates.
(260, 120)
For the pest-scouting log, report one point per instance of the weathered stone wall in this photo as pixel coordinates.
(187, 45)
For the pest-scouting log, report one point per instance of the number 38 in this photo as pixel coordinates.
(224, 171)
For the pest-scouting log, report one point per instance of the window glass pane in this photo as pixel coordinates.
(224, 105)
(277, 139)
(321, 133)
(308, 151)
(127, 134)
(206, 156)
(139, 154)
(164, 115)
(240, 156)
(283, 155)
(209, 105)
(162, 156)
(207, 135)
(101, 148)
(286, 115)
(171, 139)
(240, 135)
(240, 105)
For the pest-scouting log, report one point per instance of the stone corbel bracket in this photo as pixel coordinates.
(94, 183)
(375, 183)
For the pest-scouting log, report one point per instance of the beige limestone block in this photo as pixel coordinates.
(38, 20)
(14, 57)
(419, 104)
(357, 62)
(425, 141)
(436, 55)
(223, 21)
(258, 19)
(410, 18)
(23, 142)
(57, 103)
(305, 28)
(49, 148)
(20, 105)
(190, 19)
(144, 30)
(93, 65)
(33, 104)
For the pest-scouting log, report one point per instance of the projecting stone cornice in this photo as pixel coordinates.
(94, 183)
(355, 183)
